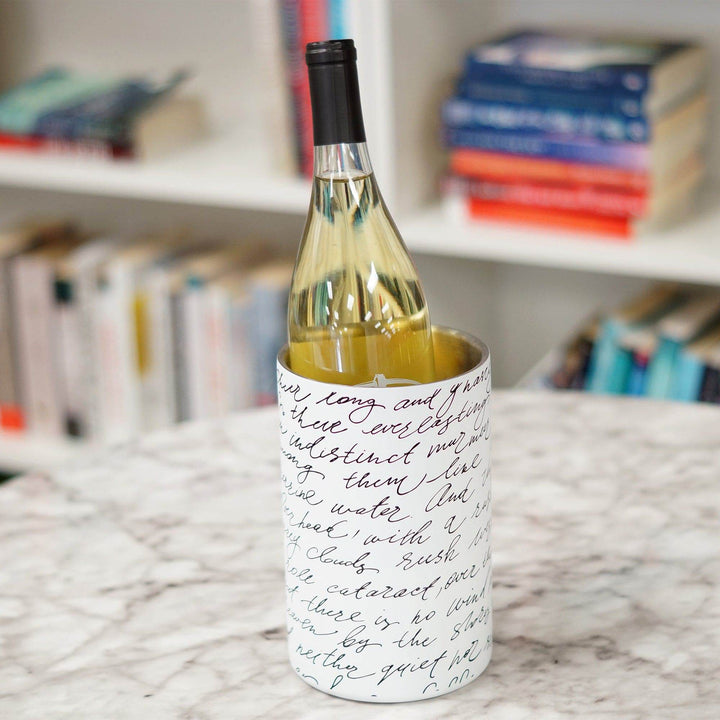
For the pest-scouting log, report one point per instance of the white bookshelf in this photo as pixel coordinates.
(521, 290)
(213, 172)
(688, 252)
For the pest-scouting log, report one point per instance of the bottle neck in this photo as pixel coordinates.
(341, 161)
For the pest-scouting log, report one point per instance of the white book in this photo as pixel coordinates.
(159, 405)
(242, 392)
(33, 285)
(192, 338)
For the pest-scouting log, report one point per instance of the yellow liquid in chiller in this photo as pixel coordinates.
(355, 356)
(357, 314)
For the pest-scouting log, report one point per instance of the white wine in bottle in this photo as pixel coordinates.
(357, 314)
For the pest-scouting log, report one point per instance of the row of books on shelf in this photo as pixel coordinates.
(664, 344)
(108, 337)
(61, 111)
(564, 130)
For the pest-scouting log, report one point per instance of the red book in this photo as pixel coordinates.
(502, 166)
(79, 148)
(313, 17)
(548, 217)
(575, 197)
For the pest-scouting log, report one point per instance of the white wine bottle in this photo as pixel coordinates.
(357, 314)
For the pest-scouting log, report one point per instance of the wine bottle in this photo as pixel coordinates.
(357, 313)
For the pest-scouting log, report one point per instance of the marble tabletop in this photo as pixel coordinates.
(149, 582)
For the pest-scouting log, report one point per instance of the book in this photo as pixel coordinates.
(689, 369)
(610, 363)
(12, 243)
(80, 270)
(270, 90)
(201, 323)
(543, 119)
(682, 137)
(122, 342)
(269, 286)
(23, 105)
(502, 167)
(170, 124)
(710, 387)
(674, 331)
(652, 71)
(33, 279)
(579, 197)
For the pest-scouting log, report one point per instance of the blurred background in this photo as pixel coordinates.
(153, 189)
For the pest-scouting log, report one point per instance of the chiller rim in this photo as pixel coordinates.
(439, 331)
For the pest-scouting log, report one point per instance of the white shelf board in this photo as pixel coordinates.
(23, 453)
(221, 171)
(689, 252)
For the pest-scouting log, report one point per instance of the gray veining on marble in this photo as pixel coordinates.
(149, 584)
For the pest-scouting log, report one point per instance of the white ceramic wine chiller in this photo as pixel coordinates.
(386, 503)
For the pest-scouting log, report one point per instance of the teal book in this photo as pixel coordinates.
(661, 369)
(610, 362)
(678, 328)
(23, 105)
(689, 370)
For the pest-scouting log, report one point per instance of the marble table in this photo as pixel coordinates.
(149, 583)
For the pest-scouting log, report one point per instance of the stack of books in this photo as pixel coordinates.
(587, 134)
(302, 22)
(60, 111)
(109, 337)
(664, 344)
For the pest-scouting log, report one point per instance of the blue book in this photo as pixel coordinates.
(579, 62)
(626, 104)
(629, 156)
(638, 375)
(108, 115)
(540, 119)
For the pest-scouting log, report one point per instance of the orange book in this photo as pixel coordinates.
(616, 227)
(502, 166)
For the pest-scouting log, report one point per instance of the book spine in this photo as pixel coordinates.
(629, 156)
(710, 388)
(337, 20)
(313, 27)
(80, 148)
(242, 371)
(33, 287)
(71, 379)
(269, 305)
(579, 198)
(607, 225)
(217, 344)
(661, 369)
(631, 80)
(159, 381)
(637, 378)
(117, 372)
(11, 414)
(483, 164)
(625, 104)
(478, 115)
(295, 72)
(193, 318)
(687, 378)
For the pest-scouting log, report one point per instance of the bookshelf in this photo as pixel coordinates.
(521, 290)
(212, 173)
